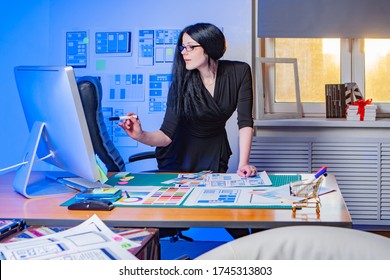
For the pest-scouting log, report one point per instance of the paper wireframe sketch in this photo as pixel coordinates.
(91, 240)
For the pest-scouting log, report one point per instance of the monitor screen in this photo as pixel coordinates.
(57, 124)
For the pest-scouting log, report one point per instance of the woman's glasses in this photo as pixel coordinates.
(188, 48)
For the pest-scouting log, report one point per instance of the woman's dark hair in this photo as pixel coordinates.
(185, 92)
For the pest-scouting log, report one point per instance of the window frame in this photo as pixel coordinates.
(352, 69)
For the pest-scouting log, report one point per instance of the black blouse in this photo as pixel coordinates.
(202, 143)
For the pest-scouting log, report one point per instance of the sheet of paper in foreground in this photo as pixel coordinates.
(91, 240)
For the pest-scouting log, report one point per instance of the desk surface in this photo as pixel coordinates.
(47, 211)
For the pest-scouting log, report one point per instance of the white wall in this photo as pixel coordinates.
(37, 36)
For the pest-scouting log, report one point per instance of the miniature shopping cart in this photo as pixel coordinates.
(308, 191)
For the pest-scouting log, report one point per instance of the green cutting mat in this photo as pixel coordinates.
(280, 180)
(143, 179)
(156, 179)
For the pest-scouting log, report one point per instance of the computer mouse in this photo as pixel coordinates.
(92, 205)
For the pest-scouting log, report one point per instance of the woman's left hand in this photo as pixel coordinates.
(247, 171)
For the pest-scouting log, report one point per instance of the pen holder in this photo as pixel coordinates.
(308, 192)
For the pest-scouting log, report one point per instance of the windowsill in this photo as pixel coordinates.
(323, 122)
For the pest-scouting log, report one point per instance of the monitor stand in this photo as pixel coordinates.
(38, 184)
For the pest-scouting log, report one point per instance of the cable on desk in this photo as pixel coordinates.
(51, 154)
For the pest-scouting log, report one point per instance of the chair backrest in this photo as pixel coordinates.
(90, 90)
(304, 243)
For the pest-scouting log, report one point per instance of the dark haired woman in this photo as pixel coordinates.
(204, 93)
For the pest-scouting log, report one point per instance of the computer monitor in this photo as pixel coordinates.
(58, 129)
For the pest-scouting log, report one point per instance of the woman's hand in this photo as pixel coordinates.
(247, 170)
(132, 127)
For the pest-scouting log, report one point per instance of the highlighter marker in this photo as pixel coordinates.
(321, 171)
(120, 118)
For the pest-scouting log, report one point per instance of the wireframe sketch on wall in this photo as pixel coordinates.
(113, 43)
(76, 48)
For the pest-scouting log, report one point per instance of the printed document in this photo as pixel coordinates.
(91, 240)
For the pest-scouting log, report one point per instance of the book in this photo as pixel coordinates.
(335, 100)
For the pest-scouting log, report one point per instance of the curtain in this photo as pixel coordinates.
(323, 18)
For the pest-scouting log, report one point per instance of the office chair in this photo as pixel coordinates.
(91, 93)
(142, 156)
(306, 242)
(90, 90)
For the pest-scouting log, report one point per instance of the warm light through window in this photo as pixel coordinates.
(377, 72)
(318, 64)
(331, 47)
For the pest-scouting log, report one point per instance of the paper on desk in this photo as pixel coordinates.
(282, 193)
(217, 197)
(255, 197)
(222, 180)
(91, 240)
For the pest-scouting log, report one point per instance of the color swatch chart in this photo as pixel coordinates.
(167, 196)
(149, 196)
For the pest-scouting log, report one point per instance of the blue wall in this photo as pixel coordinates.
(24, 39)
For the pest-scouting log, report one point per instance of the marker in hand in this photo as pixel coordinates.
(121, 118)
(319, 172)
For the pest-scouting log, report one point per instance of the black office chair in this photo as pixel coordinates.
(90, 90)
(91, 93)
(142, 156)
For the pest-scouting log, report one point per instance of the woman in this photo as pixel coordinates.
(204, 93)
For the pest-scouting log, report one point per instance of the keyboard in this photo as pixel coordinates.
(81, 184)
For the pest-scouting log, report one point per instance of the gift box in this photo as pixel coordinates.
(361, 110)
(352, 93)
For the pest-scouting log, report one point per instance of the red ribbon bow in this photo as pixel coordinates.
(361, 103)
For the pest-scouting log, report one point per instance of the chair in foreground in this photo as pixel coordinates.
(304, 243)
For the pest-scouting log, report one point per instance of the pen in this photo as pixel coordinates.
(127, 194)
(122, 118)
(319, 172)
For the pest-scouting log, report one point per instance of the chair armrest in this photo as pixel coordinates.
(142, 156)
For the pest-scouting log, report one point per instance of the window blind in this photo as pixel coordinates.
(323, 19)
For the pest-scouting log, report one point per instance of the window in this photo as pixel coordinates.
(376, 70)
(325, 61)
(318, 64)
